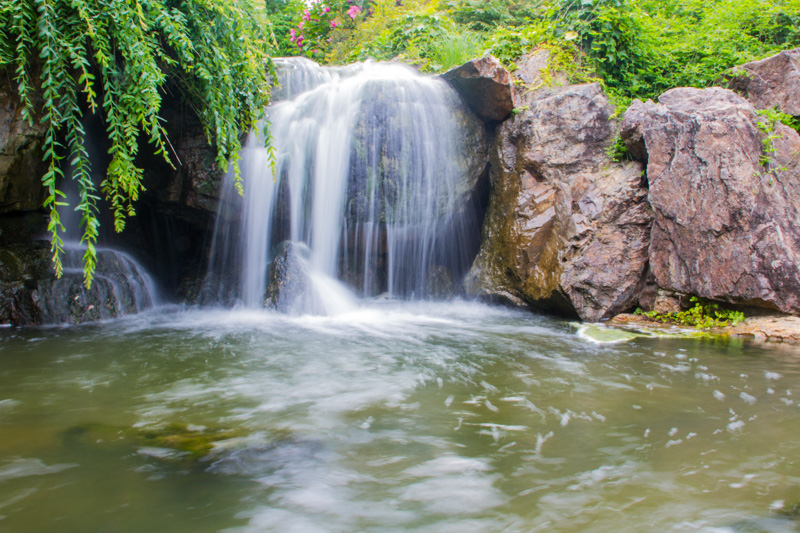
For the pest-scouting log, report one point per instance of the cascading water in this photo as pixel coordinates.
(121, 285)
(372, 173)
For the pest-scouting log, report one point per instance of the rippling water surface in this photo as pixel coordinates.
(395, 417)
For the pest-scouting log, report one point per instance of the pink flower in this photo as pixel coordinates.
(334, 24)
(300, 26)
(300, 42)
(326, 9)
(353, 12)
(306, 15)
(292, 35)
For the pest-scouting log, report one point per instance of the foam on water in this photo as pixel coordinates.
(395, 416)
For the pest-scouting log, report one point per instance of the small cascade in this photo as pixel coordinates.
(372, 173)
(297, 75)
(121, 286)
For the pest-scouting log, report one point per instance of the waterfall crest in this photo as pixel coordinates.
(372, 173)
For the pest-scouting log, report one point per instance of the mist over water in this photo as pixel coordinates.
(415, 416)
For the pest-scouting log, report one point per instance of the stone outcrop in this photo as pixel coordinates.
(190, 190)
(567, 228)
(725, 199)
(21, 149)
(773, 82)
(485, 85)
(30, 293)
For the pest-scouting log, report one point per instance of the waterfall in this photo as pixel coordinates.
(372, 173)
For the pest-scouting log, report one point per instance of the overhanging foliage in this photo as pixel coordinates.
(113, 57)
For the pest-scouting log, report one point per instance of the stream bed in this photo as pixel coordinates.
(394, 417)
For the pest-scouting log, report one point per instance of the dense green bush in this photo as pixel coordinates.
(113, 57)
(281, 15)
(637, 48)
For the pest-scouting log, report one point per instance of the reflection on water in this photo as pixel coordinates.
(394, 417)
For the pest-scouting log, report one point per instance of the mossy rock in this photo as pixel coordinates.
(194, 441)
(190, 442)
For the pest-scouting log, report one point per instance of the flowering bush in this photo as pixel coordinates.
(320, 17)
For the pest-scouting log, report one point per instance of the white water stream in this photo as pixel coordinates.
(370, 174)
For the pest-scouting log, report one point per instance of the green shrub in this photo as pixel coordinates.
(703, 315)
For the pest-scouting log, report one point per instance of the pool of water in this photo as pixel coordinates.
(432, 417)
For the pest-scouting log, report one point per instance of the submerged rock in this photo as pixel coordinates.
(273, 460)
(562, 214)
(773, 82)
(725, 198)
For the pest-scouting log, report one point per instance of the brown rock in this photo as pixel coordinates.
(772, 328)
(533, 79)
(770, 82)
(21, 149)
(567, 228)
(667, 302)
(485, 85)
(725, 225)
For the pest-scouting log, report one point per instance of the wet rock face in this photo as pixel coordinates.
(771, 82)
(567, 228)
(190, 190)
(289, 288)
(725, 217)
(485, 85)
(30, 293)
(21, 149)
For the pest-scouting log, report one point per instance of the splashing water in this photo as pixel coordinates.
(121, 287)
(396, 417)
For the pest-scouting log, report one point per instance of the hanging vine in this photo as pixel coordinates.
(113, 57)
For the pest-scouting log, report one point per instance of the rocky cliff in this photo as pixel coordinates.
(706, 207)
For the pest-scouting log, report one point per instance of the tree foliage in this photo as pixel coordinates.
(637, 48)
(113, 57)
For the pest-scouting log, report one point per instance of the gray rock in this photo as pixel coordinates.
(289, 288)
(725, 223)
(440, 283)
(30, 293)
(771, 82)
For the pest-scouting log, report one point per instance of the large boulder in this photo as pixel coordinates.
(725, 197)
(485, 85)
(562, 214)
(771, 82)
